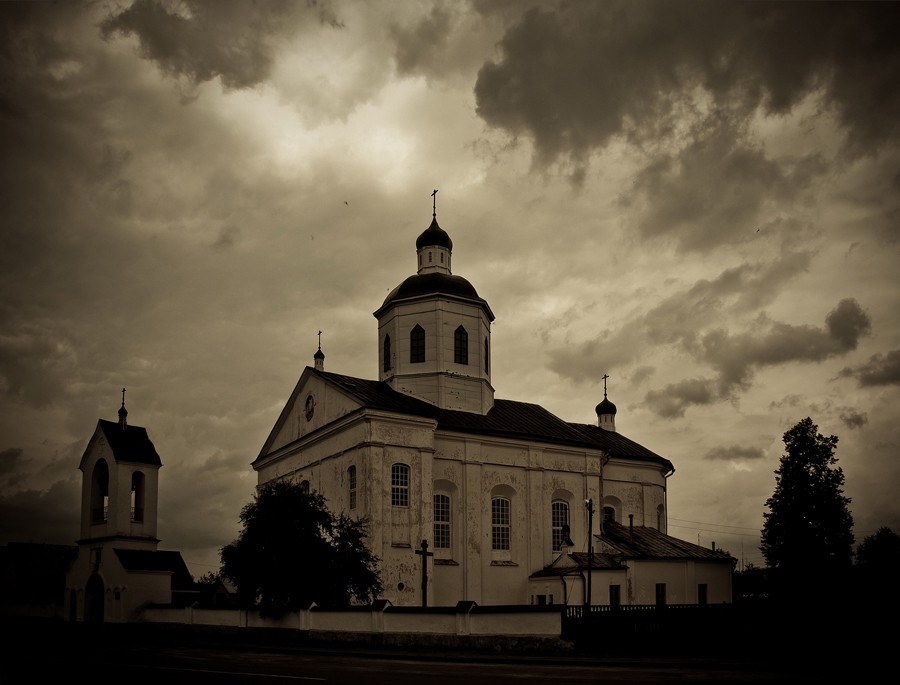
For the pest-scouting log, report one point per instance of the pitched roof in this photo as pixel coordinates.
(620, 544)
(576, 562)
(507, 418)
(617, 445)
(131, 444)
(642, 542)
(157, 561)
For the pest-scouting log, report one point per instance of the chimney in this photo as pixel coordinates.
(714, 546)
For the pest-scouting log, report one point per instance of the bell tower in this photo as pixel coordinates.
(434, 331)
(119, 496)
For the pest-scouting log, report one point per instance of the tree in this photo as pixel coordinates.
(807, 536)
(877, 566)
(292, 552)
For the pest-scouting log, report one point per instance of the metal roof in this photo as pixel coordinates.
(131, 444)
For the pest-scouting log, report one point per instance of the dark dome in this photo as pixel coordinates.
(434, 235)
(606, 407)
(319, 354)
(438, 283)
(432, 284)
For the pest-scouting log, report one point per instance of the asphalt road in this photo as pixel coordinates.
(122, 656)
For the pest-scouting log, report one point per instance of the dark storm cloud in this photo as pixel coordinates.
(736, 357)
(10, 460)
(881, 369)
(684, 84)
(674, 399)
(714, 191)
(575, 75)
(49, 516)
(203, 39)
(680, 317)
(854, 419)
(734, 453)
(424, 42)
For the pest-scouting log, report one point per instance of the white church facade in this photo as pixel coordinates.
(511, 504)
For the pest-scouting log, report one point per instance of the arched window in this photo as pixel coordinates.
(609, 514)
(351, 486)
(559, 523)
(417, 344)
(100, 492)
(386, 354)
(500, 523)
(399, 485)
(137, 496)
(487, 356)
(461, 346)
(304, 487)
(442, 521)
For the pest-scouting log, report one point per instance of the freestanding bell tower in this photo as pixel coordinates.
(119, 492)
(434, 332)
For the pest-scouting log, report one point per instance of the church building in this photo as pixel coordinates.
(504, 502)
(118, 568)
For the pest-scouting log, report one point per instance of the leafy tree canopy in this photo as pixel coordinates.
(292, 552)
(808, 531)
(880, 552)
(877, 567)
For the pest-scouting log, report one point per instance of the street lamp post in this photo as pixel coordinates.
(590, 508)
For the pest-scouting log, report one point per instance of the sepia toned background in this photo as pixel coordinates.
(699, 199)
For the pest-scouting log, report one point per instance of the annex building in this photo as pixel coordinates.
(512, 504)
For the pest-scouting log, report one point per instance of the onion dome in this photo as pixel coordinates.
(434, 236)
(123, 412)
(605, 407)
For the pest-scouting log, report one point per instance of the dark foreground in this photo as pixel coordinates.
(34, 651)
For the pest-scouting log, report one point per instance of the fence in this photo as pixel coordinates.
(466, 624)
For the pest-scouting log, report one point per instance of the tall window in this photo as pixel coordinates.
(442, 521)
(417, 344)
(615, 595)
(487, 356)
(386, 354)
(399, 485)
(461, 346)
(137, 496)
(660, 594)
(559, 522)
(500, 523)
(100, 492)
(609, 514)
(304, 487)
(351, 485)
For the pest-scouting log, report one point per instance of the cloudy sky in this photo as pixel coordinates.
(700, 199)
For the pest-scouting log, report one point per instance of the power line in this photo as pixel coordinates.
(705, 523)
